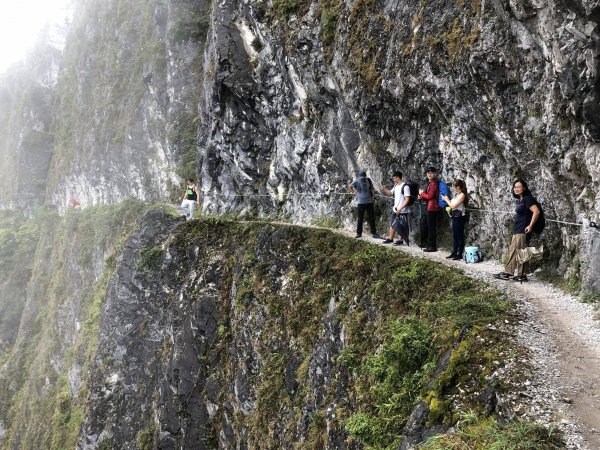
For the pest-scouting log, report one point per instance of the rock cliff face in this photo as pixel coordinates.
(27, 95)
(276, 104)
(216, 334)
(127, 102)
(52, 284)
(304, 93)
(256, 336)
(112, 115)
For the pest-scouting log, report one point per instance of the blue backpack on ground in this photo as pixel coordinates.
(442, 190)
(472, 255)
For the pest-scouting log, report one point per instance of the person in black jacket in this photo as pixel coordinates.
(527, 213)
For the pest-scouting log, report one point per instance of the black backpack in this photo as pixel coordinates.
(414, 191)
(540, 223)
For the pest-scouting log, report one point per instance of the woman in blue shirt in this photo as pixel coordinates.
(527, 214)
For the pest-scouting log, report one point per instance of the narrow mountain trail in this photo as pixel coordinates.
(563, 342)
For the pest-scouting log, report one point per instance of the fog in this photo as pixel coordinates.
(21, 23)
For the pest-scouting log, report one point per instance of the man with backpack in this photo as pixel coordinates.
(404, 196)
(431, 195)
(365, 193)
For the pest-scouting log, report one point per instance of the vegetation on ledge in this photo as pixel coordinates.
(401, 318)
(67, 263)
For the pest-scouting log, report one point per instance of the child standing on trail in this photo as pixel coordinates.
(188, 204)
(458, 214)
(431, 194)
(527, 214)
(400, 210)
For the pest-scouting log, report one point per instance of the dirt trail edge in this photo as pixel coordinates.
(563, 341)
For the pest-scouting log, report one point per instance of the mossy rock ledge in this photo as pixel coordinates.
(222, 333)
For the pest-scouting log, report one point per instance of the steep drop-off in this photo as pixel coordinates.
(27, 95)
(52, 283)
(222, 334)
(244, 335)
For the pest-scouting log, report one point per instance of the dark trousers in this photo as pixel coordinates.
(368, 207)
(432, 218)
(458, 235)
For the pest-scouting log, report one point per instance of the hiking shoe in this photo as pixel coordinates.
(451, 256)
(502, 276)
(388, 241)
(520, 278)
(358, 236)
(430, 249)
(457, 258)
(399, 242)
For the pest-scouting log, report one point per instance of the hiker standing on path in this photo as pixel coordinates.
(433, 208)
(458, 214)
(188, 204)
(400, 210)
(527, 214)
(365, 193)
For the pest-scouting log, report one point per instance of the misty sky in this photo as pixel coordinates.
(20, 23)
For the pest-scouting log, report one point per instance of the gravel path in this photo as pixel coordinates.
(562, 339)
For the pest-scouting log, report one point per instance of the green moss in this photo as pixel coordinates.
(42, 411)
(145, 439)
(399, 315)
(67, 419)
(329, 11)
(283, 9)
(367, 42)
(394, 377)
(270, 395)
(150, 258)
(445, 41)
(326, 222)
(192, 22)
(370, 431)
(317, 431)
(591, 298)
(476, 432)
(107, 444)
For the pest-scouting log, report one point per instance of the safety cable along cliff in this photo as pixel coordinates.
(590, 223)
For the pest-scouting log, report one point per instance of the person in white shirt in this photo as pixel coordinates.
(402, 201)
